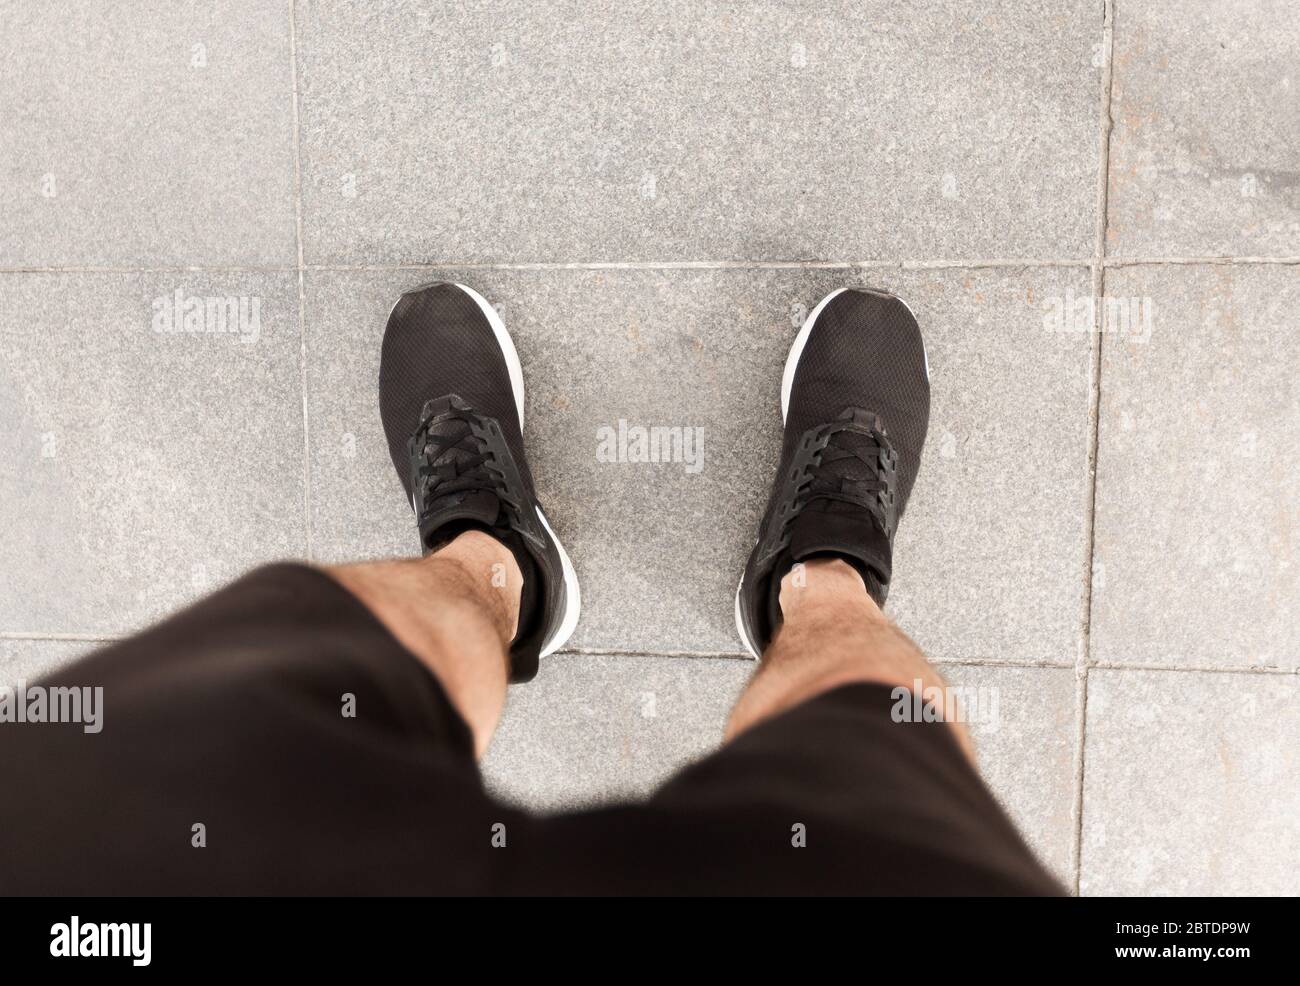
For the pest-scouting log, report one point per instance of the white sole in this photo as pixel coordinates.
(740, 623)
(572, 595)
(787, 382)
(572, 592)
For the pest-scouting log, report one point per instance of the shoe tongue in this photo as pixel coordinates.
(852, 533)
(459, 508)
(480, 506)
(849, 470)
(840, 527)
(827, 529)
(456, 512)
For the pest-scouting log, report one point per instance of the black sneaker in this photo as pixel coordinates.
(451, 395)
(855, 400)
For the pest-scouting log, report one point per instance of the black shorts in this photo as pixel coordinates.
(226, 764)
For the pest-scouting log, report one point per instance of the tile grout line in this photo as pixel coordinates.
(974, 662)
(753, 264)
(1002, 263)
(1193, 668)
(302, 290)
(1094, 432)
(1109, 262)
(37, 636)
(173, 269)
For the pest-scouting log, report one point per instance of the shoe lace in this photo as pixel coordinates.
(851, 461)
(453, 458)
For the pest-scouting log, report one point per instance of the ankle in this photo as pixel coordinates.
(823, 649)
(478, 570)
(825, 589)
(832, 634)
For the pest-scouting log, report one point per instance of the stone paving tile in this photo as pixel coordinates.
(146, 133)
(990, 558)
(593, 728)
(142, 468)
(1203, 147)
(1198, 478)
(992, 552)
(582, 131)
(1192, 784)
(599, 728)
(1026, 752)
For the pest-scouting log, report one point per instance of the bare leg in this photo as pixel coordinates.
(833, 634)
(456, 610)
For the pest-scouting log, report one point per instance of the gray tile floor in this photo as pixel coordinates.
(1093, 207)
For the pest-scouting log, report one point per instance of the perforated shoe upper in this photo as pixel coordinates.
(857, 414)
